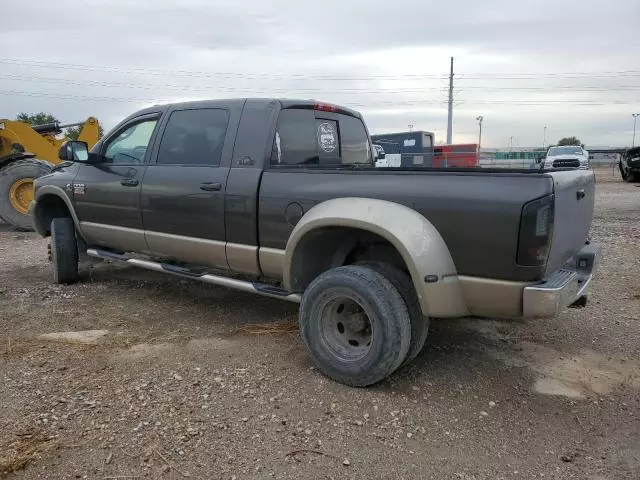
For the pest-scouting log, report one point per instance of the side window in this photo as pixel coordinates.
(194, 137)
(355, 141)
(307, 137)
(130, 146)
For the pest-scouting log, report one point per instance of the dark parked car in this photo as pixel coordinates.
(282, 198)
(630, 165)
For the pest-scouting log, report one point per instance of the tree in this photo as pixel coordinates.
(569, 141)
(74, 132)
(36, 118)
(42, 118)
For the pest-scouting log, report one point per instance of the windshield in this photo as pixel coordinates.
(568, 150)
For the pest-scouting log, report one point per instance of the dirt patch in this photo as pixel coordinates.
(587, 374)
(83, 337)
(26, 448)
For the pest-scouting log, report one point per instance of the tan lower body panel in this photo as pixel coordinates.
(112, 236)
(198, 251)
(243, 259)
(271, 262)
(444, 299)
(487, 297)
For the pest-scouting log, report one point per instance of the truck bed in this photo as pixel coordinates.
(477, 211)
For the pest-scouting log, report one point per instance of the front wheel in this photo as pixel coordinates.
(64, 250)
(355, 325)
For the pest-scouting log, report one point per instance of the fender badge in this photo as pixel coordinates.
(78, 189)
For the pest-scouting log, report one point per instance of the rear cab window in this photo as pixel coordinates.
(313, 138)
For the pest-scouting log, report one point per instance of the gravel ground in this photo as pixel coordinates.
(174, 387)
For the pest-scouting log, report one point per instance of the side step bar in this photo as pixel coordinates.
(251, 287)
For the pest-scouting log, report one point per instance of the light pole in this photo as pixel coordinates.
(479, 118)
(544, 138)
(410, 128)
(510, 144)
(635, 117)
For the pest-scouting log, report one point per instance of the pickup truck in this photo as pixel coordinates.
(282, 198)
(567, 156)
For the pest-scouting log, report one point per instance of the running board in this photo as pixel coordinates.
(263, 289)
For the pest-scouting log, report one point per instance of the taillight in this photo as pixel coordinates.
(325, 107)
(536, 230)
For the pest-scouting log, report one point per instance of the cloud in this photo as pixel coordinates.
(387, 59)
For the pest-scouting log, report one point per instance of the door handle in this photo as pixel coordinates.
(130, 182)
(211, 186)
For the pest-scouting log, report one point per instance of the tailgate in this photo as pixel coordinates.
(574, 193)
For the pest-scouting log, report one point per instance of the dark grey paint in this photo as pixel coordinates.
(574, 202)
(106, 200)
(173, 202)
(178, 199)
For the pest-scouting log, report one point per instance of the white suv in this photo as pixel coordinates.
(567, 156)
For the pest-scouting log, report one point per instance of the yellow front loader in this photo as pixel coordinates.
(28, 152)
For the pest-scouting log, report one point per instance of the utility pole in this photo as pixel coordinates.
(635, 117)
(450, 117)
(479, 118)
(544, 138)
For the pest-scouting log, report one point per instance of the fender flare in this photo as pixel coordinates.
(52, 190)
(421, 246)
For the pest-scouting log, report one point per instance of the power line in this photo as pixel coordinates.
(299, 76)
(62, 96)
(186, 87)
(343, 91)
(190, 73)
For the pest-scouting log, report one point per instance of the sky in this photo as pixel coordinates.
(572, 66)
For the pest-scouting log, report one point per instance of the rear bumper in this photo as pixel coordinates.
(563, 287)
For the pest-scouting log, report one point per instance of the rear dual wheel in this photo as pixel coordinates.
(356, 325)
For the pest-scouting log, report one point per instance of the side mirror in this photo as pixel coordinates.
(74, 151)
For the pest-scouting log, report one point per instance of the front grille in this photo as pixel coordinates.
(566, 163)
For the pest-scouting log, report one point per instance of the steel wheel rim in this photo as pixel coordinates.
(346, 329)
(21, 195)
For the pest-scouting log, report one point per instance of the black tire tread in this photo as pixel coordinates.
(419, 323)
(385, 297)
(64, 250)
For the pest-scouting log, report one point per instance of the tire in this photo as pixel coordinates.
(352, 347)
(419, 323)
(16, 187)
(64, 250)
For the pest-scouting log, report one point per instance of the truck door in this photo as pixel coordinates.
(184, 186)
(107, 194)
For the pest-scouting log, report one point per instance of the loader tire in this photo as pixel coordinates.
(64, 250)
(16, 191)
